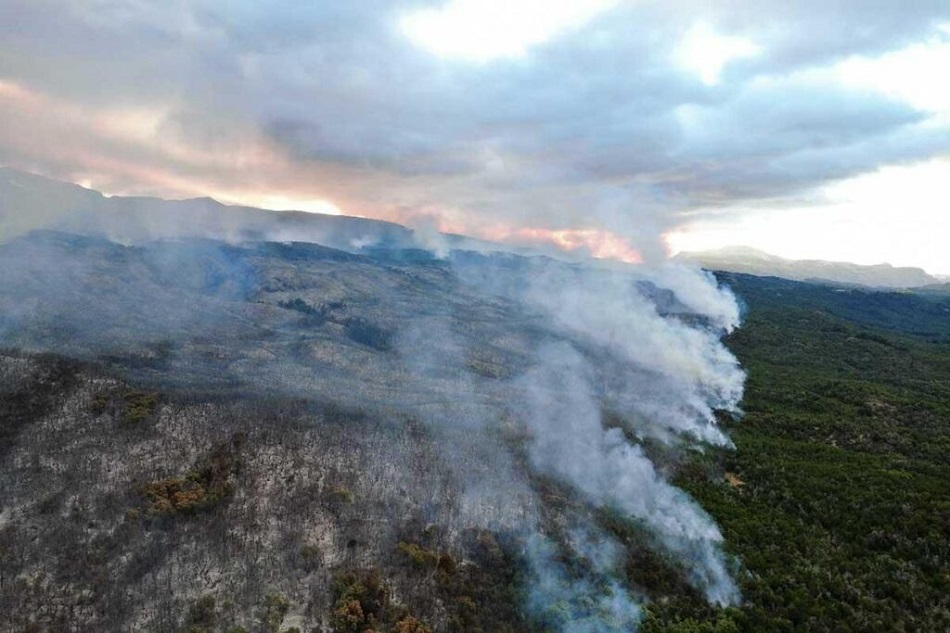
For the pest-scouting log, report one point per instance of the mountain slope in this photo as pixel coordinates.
(742, 259)
(164, 505)
(837, 496)
(224, 387)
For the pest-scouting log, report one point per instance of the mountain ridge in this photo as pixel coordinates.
(752, 261)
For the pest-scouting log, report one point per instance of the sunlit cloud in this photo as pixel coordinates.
(706, 52)
(132, 151)
(906, 74)
(281, 203)
(590, 126)
(588, 242)
(482, 30)
(895, 215)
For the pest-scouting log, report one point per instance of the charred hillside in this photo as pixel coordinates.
(128, 509)
(201, 435)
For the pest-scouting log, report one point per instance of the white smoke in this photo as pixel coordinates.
(645, 343)
(571, 605)
(570, 443)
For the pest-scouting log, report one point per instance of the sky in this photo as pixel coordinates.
(809, 129)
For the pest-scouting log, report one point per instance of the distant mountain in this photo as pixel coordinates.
(743, 259)
(29, 201)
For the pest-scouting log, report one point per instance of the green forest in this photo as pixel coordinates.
(836, 499)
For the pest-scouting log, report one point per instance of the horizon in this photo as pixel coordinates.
(627, 130)
(545, 247)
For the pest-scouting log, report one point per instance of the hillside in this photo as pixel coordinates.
(257, 434)
(742, 259)
(837, 496)
(269, 436)
(29, 202)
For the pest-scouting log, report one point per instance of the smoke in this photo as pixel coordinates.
(577, 606)
(661, 364)
(570, 443)
(527, 371)
(641, 342)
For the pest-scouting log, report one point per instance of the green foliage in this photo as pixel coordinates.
(138, 406)
(920, 314)
(131, 407)
(100, 403)
(340, 495)
(482, 593)
(409, 624)
(419, 556)
(310, 558)
(314, 316)
(201, 615)
(836, 499)
(365, 333)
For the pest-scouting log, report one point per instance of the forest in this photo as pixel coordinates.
(836, 499)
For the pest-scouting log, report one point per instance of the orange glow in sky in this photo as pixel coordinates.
(596, 243)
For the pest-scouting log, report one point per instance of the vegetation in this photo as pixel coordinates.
(138, 406)
(340, 495)
(836, 499)
(314, 316)
(834, 504)
(130, 406)
(204, 486)
(420, 557)
(483, 592)
(363, 602)
(35, 398)
(365, 333)
(272, 611)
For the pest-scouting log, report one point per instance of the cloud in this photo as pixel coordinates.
(597, 127)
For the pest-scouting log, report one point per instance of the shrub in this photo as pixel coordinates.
(100, 403)
(138, 406)
(341, 495)
(409, 624)
(204, 486)
(272, 611)
(361, 602)
(310, 558)
(202, 613)
(419, 556)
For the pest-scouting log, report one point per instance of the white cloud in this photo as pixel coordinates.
(706, 52)
(576, 121)
(482, 30)
(897, 215)
(915, 74)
